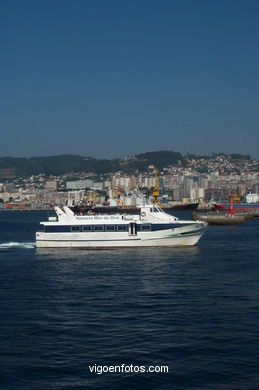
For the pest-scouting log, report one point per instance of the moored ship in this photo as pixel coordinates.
(251, 203)
(237, 206)
(135, 209)
(180, 207)
(150, 227)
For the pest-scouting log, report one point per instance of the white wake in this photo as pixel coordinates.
(17, 245)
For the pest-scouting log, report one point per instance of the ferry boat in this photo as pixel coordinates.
(151, 227)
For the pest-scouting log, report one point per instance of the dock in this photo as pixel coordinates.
(219, 218)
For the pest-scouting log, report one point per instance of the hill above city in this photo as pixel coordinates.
(11, 167)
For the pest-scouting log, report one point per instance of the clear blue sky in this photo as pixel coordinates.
(108, 78)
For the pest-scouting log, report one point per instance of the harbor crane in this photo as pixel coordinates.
(156, 193)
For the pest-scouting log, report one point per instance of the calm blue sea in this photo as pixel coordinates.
(195, 310)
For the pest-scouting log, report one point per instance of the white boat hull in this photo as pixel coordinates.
(181, 236)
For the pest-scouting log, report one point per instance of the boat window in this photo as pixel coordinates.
(98, 227)
(122, 228)
(75, 228)
(50, 228)
(151, 209)
(109, 228)
(156, 210)
(87, 228)
(145, 227)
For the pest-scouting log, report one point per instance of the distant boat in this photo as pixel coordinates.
(181, 207)
(237, 206)
(135, 209)
(167, 207)
(252, 203)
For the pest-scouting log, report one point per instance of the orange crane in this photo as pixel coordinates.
(236, 198)
(156, 193)
(119, 191)
(90, 198)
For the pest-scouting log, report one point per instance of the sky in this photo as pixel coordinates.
(113, 78)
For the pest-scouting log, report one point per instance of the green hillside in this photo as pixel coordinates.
(65, 164)
(56, 165)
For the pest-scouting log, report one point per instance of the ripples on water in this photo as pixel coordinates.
(193, 309)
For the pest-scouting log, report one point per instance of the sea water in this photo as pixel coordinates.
(69, 318)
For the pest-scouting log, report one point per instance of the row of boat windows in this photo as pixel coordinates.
(97, 228)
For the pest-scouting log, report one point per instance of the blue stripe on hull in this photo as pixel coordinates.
(68, 228)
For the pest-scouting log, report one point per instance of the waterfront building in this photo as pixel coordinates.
(79, 184)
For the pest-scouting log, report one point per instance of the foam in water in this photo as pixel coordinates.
(17, 245)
